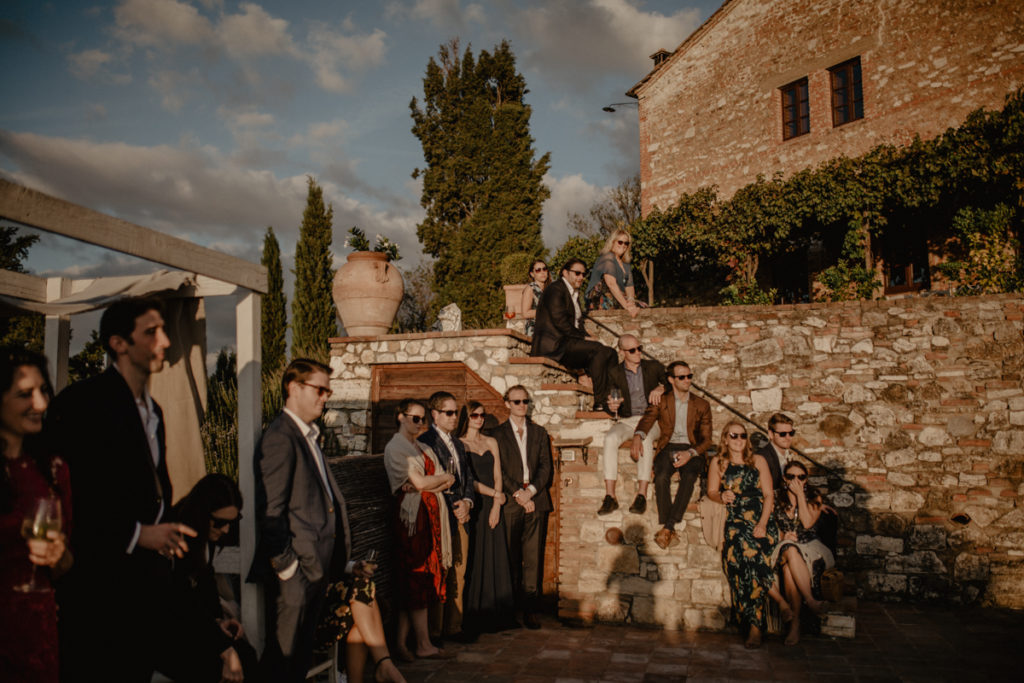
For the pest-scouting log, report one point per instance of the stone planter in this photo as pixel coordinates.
(367, 291)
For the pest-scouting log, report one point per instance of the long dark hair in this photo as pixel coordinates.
(463, 425)
(11, 359)
(212, 492)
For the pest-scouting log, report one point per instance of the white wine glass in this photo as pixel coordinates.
(42, 518)
(614, 401)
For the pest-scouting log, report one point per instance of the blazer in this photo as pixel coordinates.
(296, 517)
(556, 321)
(698, 421)
(651, 371)
(538, 458)
(95, 426)
(465, 484)
(768, 453)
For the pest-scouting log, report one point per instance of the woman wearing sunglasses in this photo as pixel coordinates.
(741, 480)
(490, 600)
(213, 508)
(611, 279)
(800, 555)
(539, 278)
(424, 534)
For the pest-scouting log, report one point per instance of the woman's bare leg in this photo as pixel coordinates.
(355, 655)
(403, 636)
(776, 595)
(793, 593)
(802, 578)
(421, 631)
(369, 628)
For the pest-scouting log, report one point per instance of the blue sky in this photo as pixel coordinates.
(203, 118)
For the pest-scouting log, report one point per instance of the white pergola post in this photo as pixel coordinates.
(57, 334)
(250, 412)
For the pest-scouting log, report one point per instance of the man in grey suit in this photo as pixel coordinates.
(301, 520)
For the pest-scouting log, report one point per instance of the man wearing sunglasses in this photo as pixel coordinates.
(684, 420)
(559, 332)
(440, 437)
(302, 523)
(778, 449)
(640, 382)
(525, 452)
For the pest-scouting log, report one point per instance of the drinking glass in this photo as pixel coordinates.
(614, 401)
(42, 518)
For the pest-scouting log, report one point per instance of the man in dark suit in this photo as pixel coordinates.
(301, 522)
(641, 382)
(559, 332)
(777, 451)
(684, 420)
(117, 620)
(525, 452)
(441, 438)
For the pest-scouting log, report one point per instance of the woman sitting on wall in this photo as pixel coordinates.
(741, 480)
(425, 538)
(611, 278)
(539, 278)
(800, 554)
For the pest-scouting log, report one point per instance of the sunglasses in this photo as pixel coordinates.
(449, 413)
(581, 273)
(519, 401)
(801, 477)
(416, 419)
(742, 436)
(221, 523)
(791, 432)
(542, 269)
(624, 243)
(477, 416)
(690, 376)
(320, 391)
(637, 349)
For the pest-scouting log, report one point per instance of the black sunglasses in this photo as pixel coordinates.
(449, 413)
(742, 436)
(320, 391)
(690, 376)
(477, 416)
(518, 401)
(791, 432)
(416, 419)
(622, 242)
(578, 272)
(637, 349)
(542, 269)
(801, 477)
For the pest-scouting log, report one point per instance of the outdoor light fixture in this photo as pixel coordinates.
(611, 107)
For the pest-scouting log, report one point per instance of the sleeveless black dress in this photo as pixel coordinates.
(489, 601)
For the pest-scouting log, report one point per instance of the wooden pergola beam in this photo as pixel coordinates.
(23, 286)
(38, 210)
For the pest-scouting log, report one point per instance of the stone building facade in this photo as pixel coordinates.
(915, 406)
(712, 111)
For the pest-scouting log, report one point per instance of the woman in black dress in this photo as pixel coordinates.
(490, 600)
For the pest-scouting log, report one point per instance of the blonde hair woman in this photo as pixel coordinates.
(611, 278)
(741, 480)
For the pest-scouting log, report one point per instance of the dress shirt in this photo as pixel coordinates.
(574, 294)
(637, 397)
(781, 456)
(679, 434)
(519, 431)
(151, 425)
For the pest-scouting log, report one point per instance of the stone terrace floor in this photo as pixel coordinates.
(893, 643)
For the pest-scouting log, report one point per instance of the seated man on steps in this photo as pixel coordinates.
(640, 382)
(685, 423)
(559, 332)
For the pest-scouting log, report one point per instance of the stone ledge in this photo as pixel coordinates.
(497, 332)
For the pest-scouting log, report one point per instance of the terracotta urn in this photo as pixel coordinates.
(367, 291)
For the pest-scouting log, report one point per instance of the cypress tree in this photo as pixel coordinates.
(482, 185)
(274, 320)
(313, 314)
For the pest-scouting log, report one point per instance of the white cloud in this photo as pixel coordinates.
(570, 194)
(246, 118)
(173, 88)
(253, 33)
(329, 51)
(446, 14)
(578, 42)
(161, 22)
(94, 64)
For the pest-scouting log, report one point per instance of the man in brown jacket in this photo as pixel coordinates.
(685, 423)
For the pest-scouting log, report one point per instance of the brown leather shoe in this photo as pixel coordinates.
(673, 539)
(663, 537)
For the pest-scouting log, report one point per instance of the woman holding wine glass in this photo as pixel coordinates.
(35, 512)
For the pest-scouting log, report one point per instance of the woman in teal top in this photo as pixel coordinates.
(611, 278)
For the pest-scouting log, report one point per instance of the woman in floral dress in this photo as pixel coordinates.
(741, 480)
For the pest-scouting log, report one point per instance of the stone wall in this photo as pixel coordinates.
(712, 113)
(915, 405)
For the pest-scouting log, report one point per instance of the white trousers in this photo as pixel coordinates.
(619, 432)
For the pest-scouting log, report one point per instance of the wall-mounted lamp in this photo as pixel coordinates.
(611, 107)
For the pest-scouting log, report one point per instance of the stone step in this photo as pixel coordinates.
(568, 386)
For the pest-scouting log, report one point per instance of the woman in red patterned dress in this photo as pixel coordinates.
(423, 529)
(28, 619)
